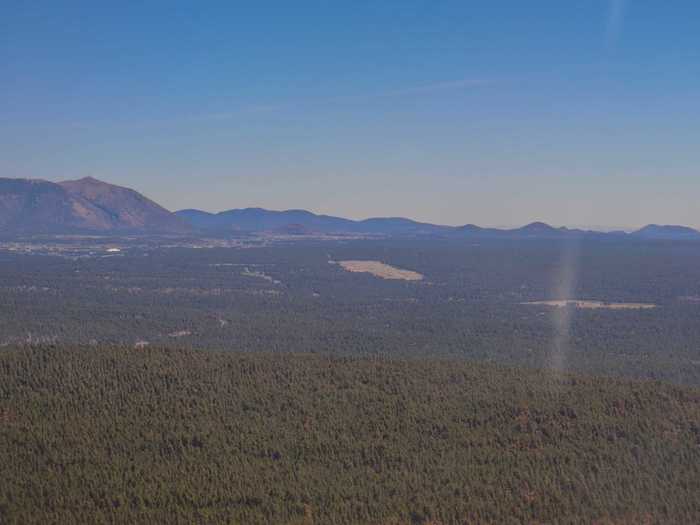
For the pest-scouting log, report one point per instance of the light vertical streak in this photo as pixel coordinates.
(564, 286)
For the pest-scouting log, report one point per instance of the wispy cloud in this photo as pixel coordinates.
(330, 100)
(616, 19)
(434, 87)
(265, 108)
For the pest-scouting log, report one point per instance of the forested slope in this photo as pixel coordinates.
(180, 436)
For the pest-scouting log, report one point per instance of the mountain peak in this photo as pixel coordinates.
(656, 231)
(538, 227)
(89, 178)
(87, 182)
(86, 204)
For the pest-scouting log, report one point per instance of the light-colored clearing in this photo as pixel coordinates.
(259, 275)
(379, 269)
(595, 305)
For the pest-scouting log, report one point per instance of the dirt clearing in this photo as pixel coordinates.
(381, 270)
(595, 305)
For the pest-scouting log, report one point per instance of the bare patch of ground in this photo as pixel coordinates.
(29, 289)
(30, 339)
(594, 305)
(264, 292)
(381, 270)
(260, 275)
(135, 290)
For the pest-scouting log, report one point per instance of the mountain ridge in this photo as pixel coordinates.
(260, 219)
(39, 206)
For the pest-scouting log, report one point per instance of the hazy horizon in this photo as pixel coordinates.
(594, 227)
(575, 115)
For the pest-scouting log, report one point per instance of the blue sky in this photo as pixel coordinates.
(493, 112)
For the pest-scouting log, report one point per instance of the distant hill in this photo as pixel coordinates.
(259, 219)
(539, 229)
(654, 231)
(262, 220)
(399, 225)
(85, 205)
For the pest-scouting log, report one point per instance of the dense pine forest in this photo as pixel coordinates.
(185, 436)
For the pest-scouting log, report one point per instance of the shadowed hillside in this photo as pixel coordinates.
(85, 205)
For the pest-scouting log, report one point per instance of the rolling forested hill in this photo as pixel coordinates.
(184, 436)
